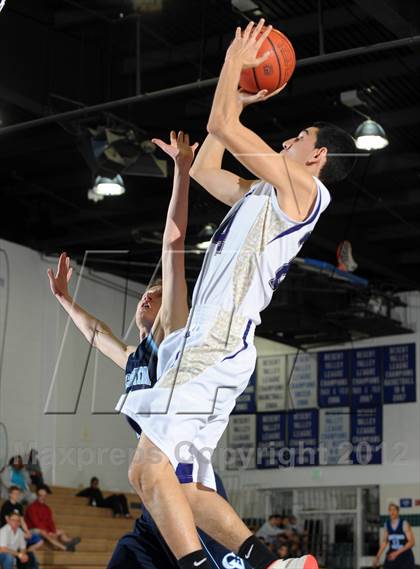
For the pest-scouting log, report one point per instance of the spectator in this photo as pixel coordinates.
(15, 474)
(271, 528)
(117, 502)
(283, 551)
(13, 546)
(39, 517)
(35, 472)
(13, 506)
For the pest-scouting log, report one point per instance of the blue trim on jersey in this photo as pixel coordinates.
(300, 225)
(244, 347)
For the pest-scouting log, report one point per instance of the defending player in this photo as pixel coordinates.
(204, 368)
(162, 308)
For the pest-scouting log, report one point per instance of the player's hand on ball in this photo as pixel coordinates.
(246, 44)
(179, 148)
(245, 98)
(59, 281)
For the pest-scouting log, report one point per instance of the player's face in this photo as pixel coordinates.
(301, 147)
(393, 512)
(149, 306)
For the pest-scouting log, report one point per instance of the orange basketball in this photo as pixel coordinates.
(276, 70)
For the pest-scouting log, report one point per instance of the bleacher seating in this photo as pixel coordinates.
(96, 526)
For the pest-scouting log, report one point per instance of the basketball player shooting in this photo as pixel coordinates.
(204, 367)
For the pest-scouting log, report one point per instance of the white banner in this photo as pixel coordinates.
(334, 436)
(303, 386)
(271, 383)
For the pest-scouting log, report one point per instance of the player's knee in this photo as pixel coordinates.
(144, 477)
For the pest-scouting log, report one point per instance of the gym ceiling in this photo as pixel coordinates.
(60, 60)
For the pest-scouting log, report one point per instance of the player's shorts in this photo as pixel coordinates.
(403, 561)
(201, 373)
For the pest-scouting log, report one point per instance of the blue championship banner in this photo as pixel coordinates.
(366, 388)
(399, 369)
(271, 439)
(334, 378)
(246, 402)
(366, 436)
(303, 437)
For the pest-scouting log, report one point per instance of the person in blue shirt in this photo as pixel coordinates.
(399, 539)
(162, 309)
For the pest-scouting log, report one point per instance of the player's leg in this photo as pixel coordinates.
(215, 516)
(153, 478)
(141, 550)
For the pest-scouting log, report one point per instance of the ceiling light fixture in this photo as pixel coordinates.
(370, 136)
(109, 186)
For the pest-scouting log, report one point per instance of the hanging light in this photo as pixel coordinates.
(109, 186)
(370, 136)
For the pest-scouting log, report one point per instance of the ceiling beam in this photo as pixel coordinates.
(404, 199)
(409, 258)
(12, 97)
(293, 28)
(387, 13)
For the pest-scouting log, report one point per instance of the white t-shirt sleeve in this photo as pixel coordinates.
(3, 537)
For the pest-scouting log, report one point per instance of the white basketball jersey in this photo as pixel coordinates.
(252, 250)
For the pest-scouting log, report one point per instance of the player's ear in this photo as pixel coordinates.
(318, 155)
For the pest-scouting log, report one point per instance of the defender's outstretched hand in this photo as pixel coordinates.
(59, 281)
(179, 148)
(246, 44)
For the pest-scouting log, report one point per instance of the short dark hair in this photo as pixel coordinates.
(337, 141)
(94, 479)
(14, 488)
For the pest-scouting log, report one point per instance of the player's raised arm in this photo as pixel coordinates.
(207, 169)
(174, 310)
(294, 184)
(96, 332)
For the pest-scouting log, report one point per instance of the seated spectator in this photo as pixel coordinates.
(34, 469)
(283, 552)
(13, 506)
(15, 474)
(271, 528)
(116, 502)
(13, 546)
(39, 517)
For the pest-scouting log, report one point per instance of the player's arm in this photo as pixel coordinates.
(382, 548)
(96, 332)
(411, 542)
(174, 310)
(208, 172)
(207, 168)
(293, 183)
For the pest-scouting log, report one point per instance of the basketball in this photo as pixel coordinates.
(276, 70)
